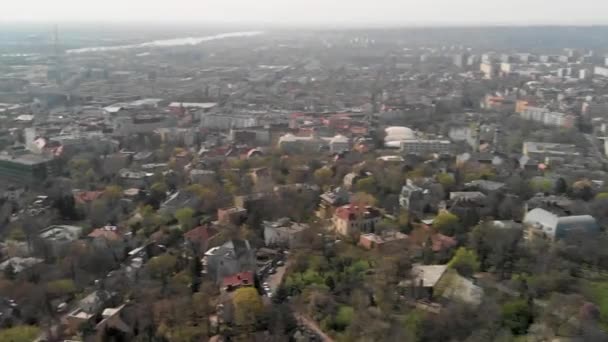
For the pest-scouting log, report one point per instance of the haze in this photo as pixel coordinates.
(314, 12)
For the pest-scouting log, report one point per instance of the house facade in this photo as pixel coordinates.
(352, 219)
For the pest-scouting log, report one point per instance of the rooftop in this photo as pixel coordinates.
(428, 275)
(26, 159)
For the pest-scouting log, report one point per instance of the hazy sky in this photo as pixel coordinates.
(328, 12)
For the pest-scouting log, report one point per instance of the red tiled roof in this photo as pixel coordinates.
(421, 234)
(350, 211)
(109, 233)
(239, 279)
(441, 242)
(83, 197)
(200, 234)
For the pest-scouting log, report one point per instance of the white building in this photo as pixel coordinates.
(600, 71)
(547, 117)
(339, 143)
(422, 146)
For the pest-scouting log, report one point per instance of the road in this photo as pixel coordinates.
(313, 326)
(596, 148)
(275, 280)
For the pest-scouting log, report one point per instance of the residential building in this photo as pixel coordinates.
(331, 200)
(238, 280)
(600, 71)
(425, 279)
(414, 199)
(225, 122)
(20, 264)
(113, 319)
(108, 237)
(489, 70)
(384, 241)
(232, 257)
(339, 143)
(134, 179)
(353, 218)
(87, 309)
(424, 146)
(541, 151)
(139, 124)
(258, 135)
(542, 223)
(485, 186)
(200, 238)
(198, 176)
(60, 236)
(26, 168)
(547, 117)
(231, 215)
(283, 233)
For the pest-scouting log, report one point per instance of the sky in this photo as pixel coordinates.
(313, 12)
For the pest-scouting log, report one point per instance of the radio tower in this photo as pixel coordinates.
(56, 41)
(57, 58)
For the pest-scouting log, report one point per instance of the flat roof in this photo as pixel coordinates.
(26, 159)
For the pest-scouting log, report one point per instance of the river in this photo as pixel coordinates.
(167, 42)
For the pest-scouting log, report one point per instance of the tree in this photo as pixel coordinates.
(196, 268)
(447, 223)
(185, 217)
(113, 193)
(583, 189)
(465, 261)
(66, 206)
(496, 247)
(517, 315)
(561, 187)
(367, 184)
(158, 192)
(362, 198)
(541, 185)
(162, 266)
(248, 306)
(601, 196)
(446, 179)
(323, 176)
(344, 317)
(61, 287)
(20, 333)
(9, 272)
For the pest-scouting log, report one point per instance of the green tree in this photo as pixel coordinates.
(541, 185)
(465, 261)
(517, 315)
(362, 198)
(158, 191)
(162, 266)
(113, 192)
(344, 317)
(19, 333)
(447, 223)
(601, 196)
(367, 184)
(248, 306)
(61, 287)
(9, 272)
(323, 176)
(446, 179)
(185, 217)
(561, 186)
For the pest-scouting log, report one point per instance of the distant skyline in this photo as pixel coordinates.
(325, 13)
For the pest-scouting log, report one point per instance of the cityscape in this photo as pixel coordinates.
(260, 183)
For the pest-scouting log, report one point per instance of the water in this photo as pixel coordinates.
(168, 42)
